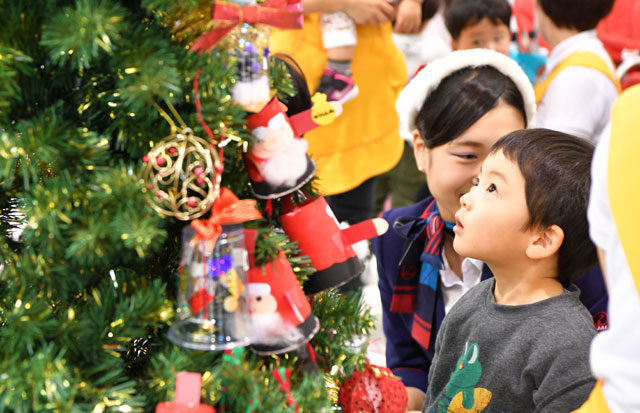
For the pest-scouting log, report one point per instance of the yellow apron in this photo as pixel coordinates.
(586, 59)
(364, 141)
(622, 175)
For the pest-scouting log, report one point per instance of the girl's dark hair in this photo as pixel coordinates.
(556, 169)
(583, 15)
(464, 13)
(461, 99)
(301, 101)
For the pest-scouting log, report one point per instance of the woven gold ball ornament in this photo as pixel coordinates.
(183, 174)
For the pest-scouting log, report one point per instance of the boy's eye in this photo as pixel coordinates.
(478, 43)
(492, 188)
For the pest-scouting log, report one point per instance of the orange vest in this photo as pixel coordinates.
(585, 59)
(364, 141)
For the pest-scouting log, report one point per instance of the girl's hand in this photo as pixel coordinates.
(408, 17)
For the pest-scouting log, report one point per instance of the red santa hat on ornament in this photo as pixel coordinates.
(267, 114)
(274, 289)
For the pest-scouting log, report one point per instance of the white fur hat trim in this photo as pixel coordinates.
(258, 289)
(425, 81)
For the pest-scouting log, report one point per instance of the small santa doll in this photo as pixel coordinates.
(280, 314)
(277, 161)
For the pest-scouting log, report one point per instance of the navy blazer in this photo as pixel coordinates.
(405, 357)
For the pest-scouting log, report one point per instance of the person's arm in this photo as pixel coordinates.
(408, 16)
(415, 399)
(404, 355)
(361, 11)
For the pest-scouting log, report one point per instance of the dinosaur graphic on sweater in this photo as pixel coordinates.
(461, 395)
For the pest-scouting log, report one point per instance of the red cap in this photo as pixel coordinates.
(263, 117)
(293, 306)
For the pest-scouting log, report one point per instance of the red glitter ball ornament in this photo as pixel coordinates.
(160, 161)
(198, 171)
(173, 150)
(373, 390)
(192, 202)
(145, 158)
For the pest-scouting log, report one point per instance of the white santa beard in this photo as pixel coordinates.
(271, 330)
(287, 166)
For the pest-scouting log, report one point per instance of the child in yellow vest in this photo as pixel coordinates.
(613, 226)
(579, 86)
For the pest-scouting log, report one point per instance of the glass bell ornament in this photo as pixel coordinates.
(211, 313)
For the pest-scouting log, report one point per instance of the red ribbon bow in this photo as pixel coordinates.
(271, 12)
(227, 210)
(282, 376)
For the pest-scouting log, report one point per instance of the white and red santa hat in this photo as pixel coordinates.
(427, 79)
(277, 278)
(268, 114)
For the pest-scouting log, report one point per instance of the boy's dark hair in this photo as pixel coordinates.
(301, 101)
(461, 99)
(463, 13)
(556, 169)
(583, 15)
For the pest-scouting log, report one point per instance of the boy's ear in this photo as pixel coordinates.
(545, 243)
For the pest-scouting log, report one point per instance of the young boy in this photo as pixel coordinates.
(579, 84)
(520, 342)
(479, 24)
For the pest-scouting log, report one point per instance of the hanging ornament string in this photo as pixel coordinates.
(227, 210)
(199, 109)
(212, 139)
(228, 16)
(282, 375)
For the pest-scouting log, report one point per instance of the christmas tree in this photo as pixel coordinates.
(89, 284)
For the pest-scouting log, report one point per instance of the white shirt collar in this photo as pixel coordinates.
(587, 40)
(471, 272)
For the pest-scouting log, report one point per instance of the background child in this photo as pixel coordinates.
(613, 225)
(339, 39)
(456, 108)
(480, 24)
(579, 84)
(520, 341)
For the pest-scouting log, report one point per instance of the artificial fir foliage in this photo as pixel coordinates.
(88, 291)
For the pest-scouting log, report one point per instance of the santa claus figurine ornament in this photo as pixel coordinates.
(277, 160)
(314, 226)
(279, 311)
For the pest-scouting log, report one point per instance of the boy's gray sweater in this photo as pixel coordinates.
(497, 358)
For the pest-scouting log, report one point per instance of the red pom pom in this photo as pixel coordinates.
(173, 150)
(192, 202)
(374, 390)
(198, 171)
(145, 158)
(160, 161)
(200, 181)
